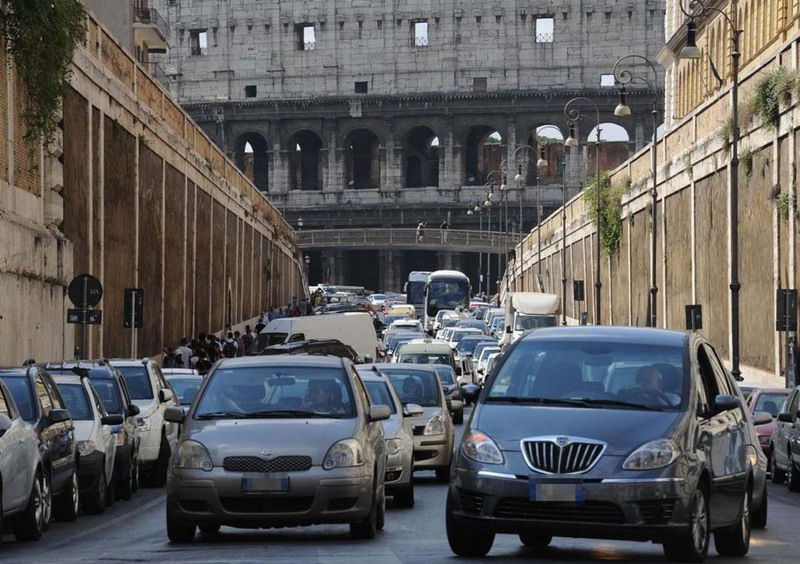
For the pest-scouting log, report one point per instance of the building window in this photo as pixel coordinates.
(420, 31)
(361, 87)
(479, 84)
(607, 80)
(306, 37)
(250, 91)
(198, 42)
(544, 30)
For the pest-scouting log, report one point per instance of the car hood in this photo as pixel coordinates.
(622, 429)
(146, 406)
(83, 430)
(392, 426)
(282, 437)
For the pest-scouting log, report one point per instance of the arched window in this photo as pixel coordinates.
(422, 158)
(305, 167)
(485, 147)
(362, 160)
(250, 155)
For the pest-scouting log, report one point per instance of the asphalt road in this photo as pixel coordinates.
(135, 532)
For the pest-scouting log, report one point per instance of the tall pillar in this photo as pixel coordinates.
(333, 174)
(510, 140)
(445, 260)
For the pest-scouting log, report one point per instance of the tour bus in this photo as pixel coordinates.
(415, 290)
(446, 289)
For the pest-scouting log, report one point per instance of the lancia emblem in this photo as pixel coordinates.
(267, 454)
(562, 441)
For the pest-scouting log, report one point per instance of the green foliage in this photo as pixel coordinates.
(746, 162)
(785, 204)
(725, 134)
(772, 90)
(610, 205)
(42, 35)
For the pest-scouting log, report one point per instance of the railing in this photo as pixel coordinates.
(407, 238)
(150, 16)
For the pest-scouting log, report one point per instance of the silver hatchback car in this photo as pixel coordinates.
(275, 441)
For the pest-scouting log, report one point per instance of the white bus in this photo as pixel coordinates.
(446, 289)
(415, 290)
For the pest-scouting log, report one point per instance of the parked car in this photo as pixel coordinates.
(110, 386)
(764, 404)
(96, 443)
(458, 333)
(278, 441)
(425, 351)
(185, 381)
(567, 440)
(481, 365)
(398, 435)
(21, 472)
(41, 405)
(433, 428)
(473, 323)
(315, 346)
(452, 391)
(786, 443)
(152, 394)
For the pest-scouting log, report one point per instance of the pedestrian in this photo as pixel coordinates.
(171, 359)
(237, 336)
(203, 364)
(230, 347)
(421, 231)
(185, 352)
(259, 326)
(443, 230)
(247, 340)
(271, 314)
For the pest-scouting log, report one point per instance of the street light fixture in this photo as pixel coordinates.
(572, 140)
(623, 75)
(694, 10)
(542, 162)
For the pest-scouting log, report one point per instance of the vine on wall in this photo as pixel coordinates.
(41, 37)
(610, 209)
(771, 91)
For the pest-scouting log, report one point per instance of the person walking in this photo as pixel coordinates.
(421, 231)
(443, 228)
(248, 339)
(185, 352)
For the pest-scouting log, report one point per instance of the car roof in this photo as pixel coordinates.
(280, 360)
(167, 372)
(370, 373)
(67, 378)
(389, 366)
(129, 361)
(420, 345)
(770, 390)
(637, 335)
(477, 337)
(13, 370)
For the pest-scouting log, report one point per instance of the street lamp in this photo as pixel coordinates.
(694, 10)
(300, 223)
(307, 261)
(488, 206)
(625, 76)
(574, 114)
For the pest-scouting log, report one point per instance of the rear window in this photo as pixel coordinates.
(138, 381)
(268, 339)
(416, 386)
(76, 401)
(379, 394)
(424, 358)
(185, 388)
(770, 402)
(109, 394)
(21, 392)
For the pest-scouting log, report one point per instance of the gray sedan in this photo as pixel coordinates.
(275, 441)
(609, 432)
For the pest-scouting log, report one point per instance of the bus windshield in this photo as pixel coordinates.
(415, 293)
(447, 294)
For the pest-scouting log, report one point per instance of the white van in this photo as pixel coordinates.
(352, 328)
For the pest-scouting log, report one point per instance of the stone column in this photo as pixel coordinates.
(445, 259)
(333, 178)
(510, 141)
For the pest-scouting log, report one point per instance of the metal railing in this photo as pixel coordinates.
(150, 16)
(407, 238)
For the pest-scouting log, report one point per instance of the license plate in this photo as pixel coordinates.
(557, 491)
(264, 484)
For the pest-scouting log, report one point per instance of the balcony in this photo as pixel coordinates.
(157, 71)
(151, 29)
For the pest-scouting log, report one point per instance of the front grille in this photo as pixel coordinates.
(256, 464)
(194, 506)
(420, 455)
(342, 503)
(546, 455)
(657, 511)
(588, 512)
(471, 502)
(266, 505)
(419, 429)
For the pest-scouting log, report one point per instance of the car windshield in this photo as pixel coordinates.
(468, 345)
(458, 335)
(425, 358)
(76, 401)
(379, 394)
(395, 344)
(268, 339)
(138, 382)
(186, 388)
(592, 374)
(474, 324)
(389, 319)
(21, 391)
(416, 386)
(415, 292)
(770, 402)
(446, 375)
(107, 389)
(525, 322)
(276, 392)
(487, 352)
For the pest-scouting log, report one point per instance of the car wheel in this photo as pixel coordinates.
(458, 417)
(692, 545)
(30, 524)
(179, 530)
(381, 517)
(758, 519)
(466, 541)
(47, 500)
(794, 477)
(158, 477)
(111, 491)
(535, 540)
(368, 526)
(778, 475)
(135, 471)
(95, 501)
(735, 540)
(67, 505)
(443, 474)
(404, 497)
(124, 485)
(209, 529)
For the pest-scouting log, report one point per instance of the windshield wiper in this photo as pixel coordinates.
(618, 403)
(220, 415)
(540, 401)
(289, 413)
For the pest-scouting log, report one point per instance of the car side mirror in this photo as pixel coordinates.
(412, 410)
(111, 419)
(133, 409)
(761, 418)
(164, 395)
(5, 423)
(379, 413)
(785, 417)
(59, 416)
(725, 402)
(174, 415)
(471, 391)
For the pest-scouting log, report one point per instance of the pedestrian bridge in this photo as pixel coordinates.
(406, 239)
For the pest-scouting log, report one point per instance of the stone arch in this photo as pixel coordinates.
(421, 157)
(362, 160)
(305, 163)
(484, 150)
(549, 137)
(250, 155)
(615, 146)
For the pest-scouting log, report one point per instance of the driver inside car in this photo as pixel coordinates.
(649, 389)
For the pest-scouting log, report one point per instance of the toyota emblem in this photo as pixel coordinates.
(267, 454)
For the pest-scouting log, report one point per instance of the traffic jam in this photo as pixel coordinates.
(540, 428)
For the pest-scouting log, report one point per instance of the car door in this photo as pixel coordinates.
(12, 458)
(793, 432)
(373, 439)
(62, 445)
(106, 431)
(159, 383)
(783, 431)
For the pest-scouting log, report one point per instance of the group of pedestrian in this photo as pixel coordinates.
(443, 228)
(201, 353)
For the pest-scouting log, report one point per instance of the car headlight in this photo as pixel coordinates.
(652, 455)
(193, 456)
(344, 454)
(85, 448)
(480, 448)
(393, 446)
(435, 425)
(143, 424)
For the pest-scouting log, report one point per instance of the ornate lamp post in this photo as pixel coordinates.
(573, 113)
(625, 76)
